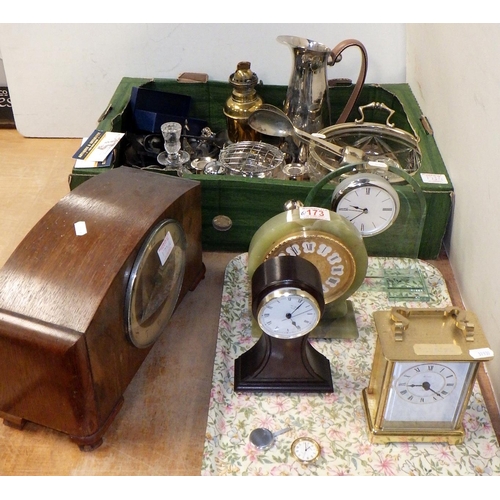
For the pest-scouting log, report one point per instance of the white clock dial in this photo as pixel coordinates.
(288, 313)
(427, 393)
(305, 449)
(368, 201)
(426, 384)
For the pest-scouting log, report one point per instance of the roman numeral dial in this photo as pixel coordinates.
(426, 383)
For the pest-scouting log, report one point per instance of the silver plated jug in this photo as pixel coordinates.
(307, 102)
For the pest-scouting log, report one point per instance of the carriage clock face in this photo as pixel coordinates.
(368, 201)
(427, 394)
(155, 282)
(333, 259)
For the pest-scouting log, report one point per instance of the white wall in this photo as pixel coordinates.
(62, 76)
(454, 72)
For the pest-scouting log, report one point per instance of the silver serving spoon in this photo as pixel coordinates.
(263, 438)
(270, 120)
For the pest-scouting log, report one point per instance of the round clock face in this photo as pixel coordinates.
(155, 283)
(288, 313)
(305, 450)
(334, 261)
(427, 394)
(368, 201)
(426, 383)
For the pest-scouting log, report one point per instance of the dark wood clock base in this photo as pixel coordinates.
(92, 442)
(85, 443)
(282, 365)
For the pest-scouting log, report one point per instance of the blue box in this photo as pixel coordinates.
(152, 108)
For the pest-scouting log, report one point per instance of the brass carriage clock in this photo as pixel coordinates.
(424, 368)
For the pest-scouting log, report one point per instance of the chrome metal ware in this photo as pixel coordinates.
(383, 145)
(262, 438)
(251, 159)
(270, 120)
(307, 101)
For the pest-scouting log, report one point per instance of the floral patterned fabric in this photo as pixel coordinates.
(337, 421)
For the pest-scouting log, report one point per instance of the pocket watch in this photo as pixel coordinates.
(368, 201)
(155, 283)
(423, 373)
(287, 302)
(306, 450)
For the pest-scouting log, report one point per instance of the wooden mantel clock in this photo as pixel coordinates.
(86, 294)
(287, 302)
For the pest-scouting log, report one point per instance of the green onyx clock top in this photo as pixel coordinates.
(328, 240)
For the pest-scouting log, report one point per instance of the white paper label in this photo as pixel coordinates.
(80, 228)
(314, 213)
(485, 352)
(165, 248)
(434, 178)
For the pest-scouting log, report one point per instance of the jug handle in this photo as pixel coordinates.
(336, 56)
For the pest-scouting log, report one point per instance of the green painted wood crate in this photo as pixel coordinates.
(250, 202)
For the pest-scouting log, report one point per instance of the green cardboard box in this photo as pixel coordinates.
(250, 202)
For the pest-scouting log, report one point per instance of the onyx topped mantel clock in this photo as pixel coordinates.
(80, 309)
(330, 242)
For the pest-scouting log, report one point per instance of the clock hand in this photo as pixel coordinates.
(294, 324)
(352, 208)
(291, 314)
(302, 312)
(364, 210)
(361, 213)
(427, 387)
